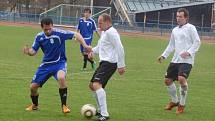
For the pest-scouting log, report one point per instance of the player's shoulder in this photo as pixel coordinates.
(91, 19)
(39, 35)
(112, 31)
(191, 26)
(61, 31)
(81, 19)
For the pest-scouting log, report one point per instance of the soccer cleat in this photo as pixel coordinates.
(98, 114)
(180, 109)
(102, 118)
(171, 105)
(93, 65)
(65, 109)
(32, 107)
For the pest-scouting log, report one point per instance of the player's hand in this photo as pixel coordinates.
(90, 55)
(121, 71)
(88, 49)
(26, 49)
(160, 59)
(185, 55)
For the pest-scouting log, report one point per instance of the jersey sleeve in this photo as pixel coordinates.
(66, 34)
(116, 41)
(196, 41)
(36, 44)
(170, 48)
(94, 26)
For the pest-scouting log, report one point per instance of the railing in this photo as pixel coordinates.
(140, 27)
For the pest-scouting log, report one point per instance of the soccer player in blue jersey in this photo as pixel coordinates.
(52, 43)
(86, 27)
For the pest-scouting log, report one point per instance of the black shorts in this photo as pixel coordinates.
(104, 72)
(178, 69)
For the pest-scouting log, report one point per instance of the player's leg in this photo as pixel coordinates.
(34, 97)
(170, 76)
(93, 64)
(39, 79)
(98, 113)
(85, 56)
(85, 61)
(98, 83)
(184, 71)
(60, 76)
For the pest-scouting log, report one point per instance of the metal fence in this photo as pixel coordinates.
(140, 27)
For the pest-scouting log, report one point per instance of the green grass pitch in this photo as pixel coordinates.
(139, 95)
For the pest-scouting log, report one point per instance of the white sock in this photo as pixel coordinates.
(172, 92)
(183, 94)
(97, 102)
(101, 95)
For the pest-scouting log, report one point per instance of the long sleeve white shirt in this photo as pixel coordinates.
(183, 39)
(110, 48)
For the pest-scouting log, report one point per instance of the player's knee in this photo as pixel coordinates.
(96, 85)
(182, 80)
(33, 88)
(91, 86)
(61, 79)
(167, 81)
(61, 75)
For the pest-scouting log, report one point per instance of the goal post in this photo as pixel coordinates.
(67, 15)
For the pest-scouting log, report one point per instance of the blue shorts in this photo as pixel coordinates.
(88, 42)
(46, 71)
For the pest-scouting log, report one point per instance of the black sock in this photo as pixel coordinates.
(35, 99)
(63, 95)
(91, 61)
(85, 61)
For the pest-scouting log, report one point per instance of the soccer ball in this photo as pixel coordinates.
(88, 110)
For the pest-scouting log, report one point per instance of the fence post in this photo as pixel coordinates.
(61, 12)
(202, 25)
(158, 24)
(173, 16)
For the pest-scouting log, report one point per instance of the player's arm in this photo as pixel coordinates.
(95, 29)
(170, 48)
(29, 50)
(77, 31)
(95, 50)
(120, 52)
(80, 39)
(196, 41)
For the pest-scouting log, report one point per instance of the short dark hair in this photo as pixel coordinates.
(106, 17)
(46, 21)
(186, 12)
(87, 10)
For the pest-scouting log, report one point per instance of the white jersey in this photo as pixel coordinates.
(110, 48)
(183, 39)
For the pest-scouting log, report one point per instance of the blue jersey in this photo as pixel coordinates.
(87, 27)
(53, 46)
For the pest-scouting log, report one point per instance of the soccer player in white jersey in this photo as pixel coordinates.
(185, 42)
(111, 55)
(52, 43)
(86, 27)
